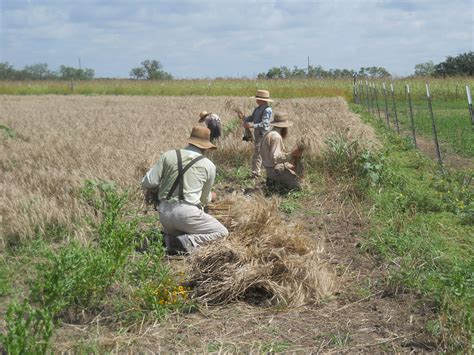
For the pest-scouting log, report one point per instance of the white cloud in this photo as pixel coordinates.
(230, 37)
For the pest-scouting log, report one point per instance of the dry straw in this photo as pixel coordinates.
(263, 260)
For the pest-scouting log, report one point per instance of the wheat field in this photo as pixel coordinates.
(61, 141)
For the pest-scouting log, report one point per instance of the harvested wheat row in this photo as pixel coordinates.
(263, 259)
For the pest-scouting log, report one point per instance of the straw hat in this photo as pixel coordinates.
(263, 95)
(203, 115)
(280, 119)
(200, 137)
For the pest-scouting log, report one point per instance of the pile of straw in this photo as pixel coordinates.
(263, 260)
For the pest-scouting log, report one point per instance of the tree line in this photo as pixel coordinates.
(41, 71)
(318, 72)
(149, 70)
(460, 65)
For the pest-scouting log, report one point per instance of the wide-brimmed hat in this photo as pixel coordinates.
(280, 119)
(263, 95)
(203, 115)
(201, 138)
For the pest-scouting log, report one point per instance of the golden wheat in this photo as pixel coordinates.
(63, 140)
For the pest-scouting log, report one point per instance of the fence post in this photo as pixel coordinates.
(469, 102)
(376, 100)
(371, 97)
(362, 94)
(354, 91)
(433, 126)
(386, 106)
(72, 85)
(369, 109)
(412, 121)
(394, 108)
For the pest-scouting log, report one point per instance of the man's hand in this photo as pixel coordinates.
(213, 196)
(297, 153)
(248, 125)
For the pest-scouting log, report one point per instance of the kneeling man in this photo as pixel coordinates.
(184, 178)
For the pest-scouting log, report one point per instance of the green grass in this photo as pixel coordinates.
(450, 111)
(68, 279)
(423, 222)
(216, 87)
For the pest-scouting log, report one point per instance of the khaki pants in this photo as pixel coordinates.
(283, 176)
(180, 218)
(257, 157)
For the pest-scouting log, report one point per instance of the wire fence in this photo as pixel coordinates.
(441, 116)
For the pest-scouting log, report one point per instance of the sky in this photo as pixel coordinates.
(233, 38)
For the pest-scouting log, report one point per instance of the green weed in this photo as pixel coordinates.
(8, 132)
(78, 277)
(422, 218)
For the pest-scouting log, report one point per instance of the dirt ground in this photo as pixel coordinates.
(366, 314)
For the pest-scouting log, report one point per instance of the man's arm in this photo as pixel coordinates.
(279, 156)
(206, 195)
(152, 178)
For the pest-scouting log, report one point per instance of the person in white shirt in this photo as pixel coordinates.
(280, 164)
(184, 179)
(213, 122)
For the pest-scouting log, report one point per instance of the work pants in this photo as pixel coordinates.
(181, 218)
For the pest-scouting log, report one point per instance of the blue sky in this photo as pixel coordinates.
(212, 38)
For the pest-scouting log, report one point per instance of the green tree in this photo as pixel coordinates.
(38, 71)
(425, 69)
(374, 72)
(463, 64)
(67, 73)
(150, 70)
(7, 72)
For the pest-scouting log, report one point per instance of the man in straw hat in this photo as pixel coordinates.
(259, 120)
(184, 178)
(280, 165)
(213, 122)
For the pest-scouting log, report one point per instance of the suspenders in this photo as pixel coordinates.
(180, 178)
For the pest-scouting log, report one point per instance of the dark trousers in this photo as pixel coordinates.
(215, 128)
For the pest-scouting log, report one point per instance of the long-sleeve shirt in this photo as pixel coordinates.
(260, 117)
(211, 117)
(273, 150)
(197, 181)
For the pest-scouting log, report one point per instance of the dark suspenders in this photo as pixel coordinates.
(180, 178)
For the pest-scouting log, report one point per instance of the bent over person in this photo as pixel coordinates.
(259, 120)
(280, 165)
(184, 178)
(213, 122)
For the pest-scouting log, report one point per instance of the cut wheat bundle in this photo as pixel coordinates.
(263, 260)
